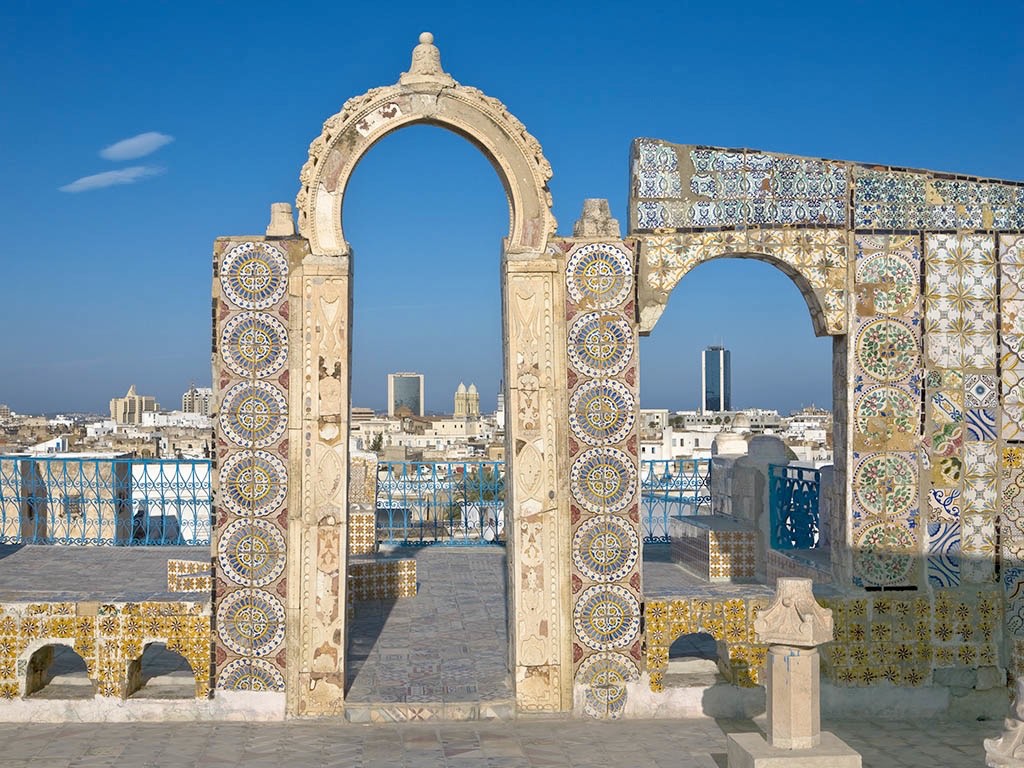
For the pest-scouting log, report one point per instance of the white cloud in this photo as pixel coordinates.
(112, 178)
(136, 146)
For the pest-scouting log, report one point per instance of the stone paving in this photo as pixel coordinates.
(52, 573)
(447, 647)
(521, 743)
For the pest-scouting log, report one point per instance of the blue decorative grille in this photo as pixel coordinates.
(672, 487)
(104, 501)
(452, 503)
(793, 497)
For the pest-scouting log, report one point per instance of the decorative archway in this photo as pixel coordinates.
(425, 94)
(319, 284)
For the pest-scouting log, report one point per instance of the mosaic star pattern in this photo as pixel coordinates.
(961, 430)
(603, 476)
(251, 381)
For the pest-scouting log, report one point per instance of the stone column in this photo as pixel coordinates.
(318, 509)
(794, 625)
(534, 338)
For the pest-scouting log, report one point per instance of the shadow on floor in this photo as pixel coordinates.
(447, 644)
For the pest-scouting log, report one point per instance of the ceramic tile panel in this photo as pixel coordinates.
(679, 186)
(1011, 336)
(189, 576)
(251, 390)
(886, 381)
(382, 579)
(362, 532)
(918, 200)
(961, 398)
(604, 461)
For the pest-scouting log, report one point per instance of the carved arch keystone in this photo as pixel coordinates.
(425, 94)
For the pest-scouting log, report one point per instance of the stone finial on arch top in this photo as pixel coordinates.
(425, 94)
(426, 64)
(794, 617)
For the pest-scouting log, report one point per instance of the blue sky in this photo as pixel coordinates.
(108, 286)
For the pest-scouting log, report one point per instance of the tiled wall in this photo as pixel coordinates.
(251, 345)
(381, 579)
(900, 639)
(714, 555)
(603, 476)
(886, 367)
(962, 391)
(108, 637)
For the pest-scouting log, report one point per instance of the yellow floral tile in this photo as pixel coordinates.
(967, 655)
(657, 684)
(881, 632)
(914, 676)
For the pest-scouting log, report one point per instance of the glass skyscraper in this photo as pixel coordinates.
(405, 390)
(715, 380)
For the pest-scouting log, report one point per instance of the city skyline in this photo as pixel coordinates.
(117, 218)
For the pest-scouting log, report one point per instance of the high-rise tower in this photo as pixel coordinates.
(715, 380)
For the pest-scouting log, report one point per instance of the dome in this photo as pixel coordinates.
(461, 390)
(472, 389)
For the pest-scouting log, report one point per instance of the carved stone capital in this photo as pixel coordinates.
(794, 618)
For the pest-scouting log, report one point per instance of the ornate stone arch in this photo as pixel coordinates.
(424, 94)
(815, 259)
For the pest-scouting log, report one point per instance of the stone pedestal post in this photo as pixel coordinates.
(794, 697)
(794, 625)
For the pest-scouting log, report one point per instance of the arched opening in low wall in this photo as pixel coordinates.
(57, 671)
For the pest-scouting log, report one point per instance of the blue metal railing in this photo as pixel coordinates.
(793, 495)
(104, 501)
(446, 502)
(671, 487)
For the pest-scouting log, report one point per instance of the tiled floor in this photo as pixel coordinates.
(521, 743)
(449, 644)
(52, 573)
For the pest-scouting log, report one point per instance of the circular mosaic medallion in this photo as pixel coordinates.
(603, 480)
(252, 483)
(251, 552)
(895, 406)
(885, 484)
(600, 344)
(254, 344)
(604, 676)
(602, 412)
(605, 549)
(254, 414)
(250, 675)
(599, 276)
(887, 350)
(251, 622)
(254, 275)
(895, 282)
(606, 616)
(884, 554)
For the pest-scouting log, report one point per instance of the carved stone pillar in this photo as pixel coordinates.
(316, 527)
(534, 331)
